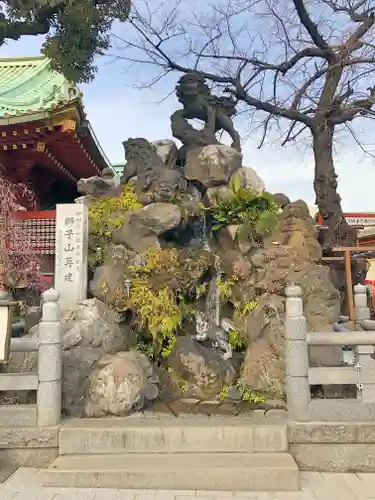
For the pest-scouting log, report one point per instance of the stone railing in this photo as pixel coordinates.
(360, 371)
(48, 378)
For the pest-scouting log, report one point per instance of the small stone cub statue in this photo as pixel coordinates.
(219, 335)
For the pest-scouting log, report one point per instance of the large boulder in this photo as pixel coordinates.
(142, 227)
(278, 267)
(263, 369)
(109, 277)
(291, 254)
(234, 264)
(203, 369)
(89, 331)
(212, 165)
(249, 179)
(119, 384)
(281, 199)
(296, 229)
(167, 151)
(214, 195)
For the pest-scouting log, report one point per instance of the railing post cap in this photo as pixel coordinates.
(293, 291)
(51, 295)
(4, 295)
(359, 288)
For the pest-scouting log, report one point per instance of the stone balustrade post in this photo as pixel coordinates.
(366, 373)
(49, 397)
(296, 356)
(362, 310)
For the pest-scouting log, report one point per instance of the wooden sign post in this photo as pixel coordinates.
(348, 270)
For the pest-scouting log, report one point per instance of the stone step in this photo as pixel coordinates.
(176, 471)
(172, 435)
(18, 416)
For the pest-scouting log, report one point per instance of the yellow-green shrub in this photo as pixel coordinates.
(157, 307)
(106, 214)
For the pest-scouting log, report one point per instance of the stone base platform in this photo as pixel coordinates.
(164, 452)
(333, 446)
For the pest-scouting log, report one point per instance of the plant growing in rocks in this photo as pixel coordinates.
(161, 288)
(157, 268)
(257, 212)
(106, 214)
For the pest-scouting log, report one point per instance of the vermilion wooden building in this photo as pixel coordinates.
(46, 140)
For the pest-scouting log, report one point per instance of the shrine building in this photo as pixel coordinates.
(46, 140)
(47, 143)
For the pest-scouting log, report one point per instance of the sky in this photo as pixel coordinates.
(117, 110)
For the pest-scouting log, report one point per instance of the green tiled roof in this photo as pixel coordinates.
(29, 85)
(119, 169)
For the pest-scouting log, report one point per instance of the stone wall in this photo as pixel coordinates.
(28, 446)
(333, 447)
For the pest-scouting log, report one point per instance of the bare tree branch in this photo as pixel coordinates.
(310, 26)
(308, 62)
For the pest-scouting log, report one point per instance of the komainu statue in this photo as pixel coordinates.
(198, 103)
(152, 176)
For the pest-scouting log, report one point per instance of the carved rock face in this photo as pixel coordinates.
(212, 165)
(202, 368)
(144, 162)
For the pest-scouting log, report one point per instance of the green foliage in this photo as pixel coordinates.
(237, 341)
(244, 308)
(226, 295)
(106, 214)
(158, 308)
(248, 395)
(77, 30)
(224, 393)
(258, 211)
(225, 289)
(155, 353)
(201, 290)
(147, 348)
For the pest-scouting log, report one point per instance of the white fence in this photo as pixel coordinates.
(48, 378)
(300, 376)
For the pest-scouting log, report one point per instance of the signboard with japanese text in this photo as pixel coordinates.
(71, 253)
(360, 219)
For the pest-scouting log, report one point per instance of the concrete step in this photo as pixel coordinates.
(18, 416)
(172, 435)
(178, 471)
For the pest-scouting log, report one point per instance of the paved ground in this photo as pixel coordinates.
(23, 485)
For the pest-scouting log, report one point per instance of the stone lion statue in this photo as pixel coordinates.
(198, 103)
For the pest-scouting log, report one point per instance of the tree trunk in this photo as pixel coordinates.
(338, 232)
